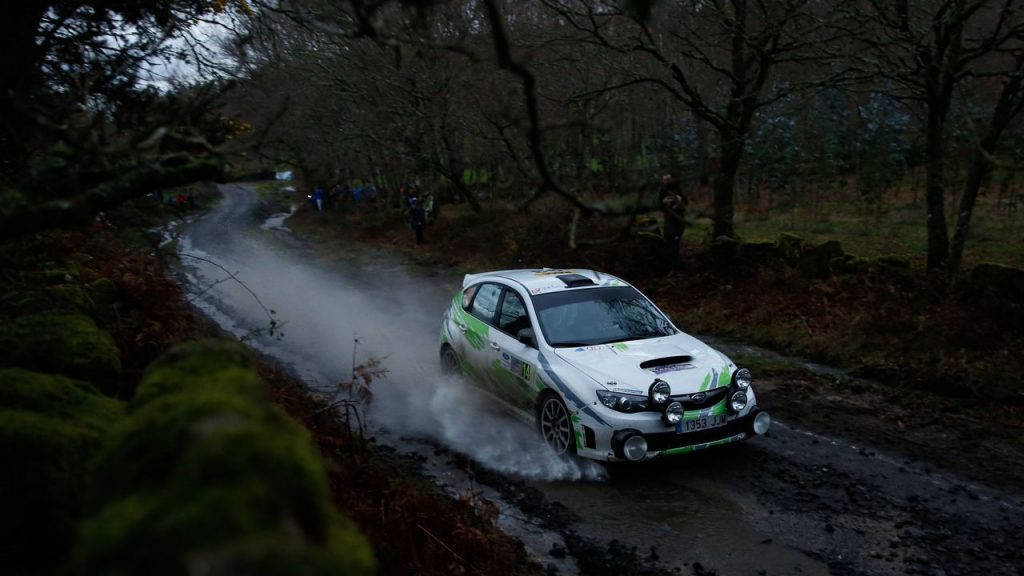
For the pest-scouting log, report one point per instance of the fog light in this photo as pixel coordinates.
(635, 448)
(742, 378)
(761, 423)
(659, 392)
(673, 413)
(739, 401)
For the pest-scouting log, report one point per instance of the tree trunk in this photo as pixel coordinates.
(935, 194)
(1009, 105)
(979, 167)
(725, 183)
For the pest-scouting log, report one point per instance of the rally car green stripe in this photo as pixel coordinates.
(476, 331)
(707, 381)
(724, 379)
(576, 428)
(695, 447)
(567, 392)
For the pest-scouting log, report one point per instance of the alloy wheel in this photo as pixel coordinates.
(555, 425)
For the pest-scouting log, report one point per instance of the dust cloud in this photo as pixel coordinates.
(371, 307)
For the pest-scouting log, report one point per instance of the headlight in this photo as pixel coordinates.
(622, 402)
(742, 378)
(659, 392)
(674, 413)
(739, 401)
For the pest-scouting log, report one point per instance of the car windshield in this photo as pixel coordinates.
(598, 316)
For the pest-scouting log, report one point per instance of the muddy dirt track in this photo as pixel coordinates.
(794, 502)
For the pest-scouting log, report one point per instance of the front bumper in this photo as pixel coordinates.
(607, 443)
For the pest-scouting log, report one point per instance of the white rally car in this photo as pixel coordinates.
(600, 370)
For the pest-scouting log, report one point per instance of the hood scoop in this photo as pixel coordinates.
(668, 364)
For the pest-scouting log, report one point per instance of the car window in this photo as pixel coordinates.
(467, 296)
(486, 302)
(513, 316)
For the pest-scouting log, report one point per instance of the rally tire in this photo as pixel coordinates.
(555, 424)
(450, 361)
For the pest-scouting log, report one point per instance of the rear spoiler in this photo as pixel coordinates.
(469, 278)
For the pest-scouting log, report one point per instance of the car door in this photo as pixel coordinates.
(513, 363)
(477, 327)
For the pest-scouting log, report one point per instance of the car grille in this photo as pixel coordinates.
(711, 398)
(667, 440)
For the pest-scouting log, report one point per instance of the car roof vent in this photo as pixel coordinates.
(575, 280)
(666, 361)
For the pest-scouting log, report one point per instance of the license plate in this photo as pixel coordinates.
(702, 423)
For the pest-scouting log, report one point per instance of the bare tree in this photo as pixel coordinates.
(714, 58)
(921, 52)
(1007, 107)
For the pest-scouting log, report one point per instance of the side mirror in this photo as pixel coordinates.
(526, 336)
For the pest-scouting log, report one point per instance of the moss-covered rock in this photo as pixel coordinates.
(893, 262)
(758, 252)
(68, 344)
(850, 264)
(144, 450)
(1005, 282)
(816, 261)
(50, 430)
(57, 275)
(210, 365)
(207, 472)
(238, 487)
(71, 297)
(790, 247)
(725, 249)
(103, 294)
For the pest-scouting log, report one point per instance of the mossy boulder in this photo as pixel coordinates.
(790, 247)
(991, 279)
(51, 428)
(68, 344)
(725, 248)
(850, 264)
(758, 252)
(893, 262)
(71, 297)
(103, 295)
(209, 365)
(206, 472)
(816, 261)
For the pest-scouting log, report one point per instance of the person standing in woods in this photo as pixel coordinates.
(673, 207)
(417, 218)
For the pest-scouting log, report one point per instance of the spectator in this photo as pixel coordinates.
(673, 207)
(417, 218)
(318, 198)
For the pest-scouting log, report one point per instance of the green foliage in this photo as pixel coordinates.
(68, 344)
(11, 200)
(50, 429)
(206, 471)
(210, 365)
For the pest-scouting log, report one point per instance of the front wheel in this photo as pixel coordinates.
(555, 425)
(450, 361)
